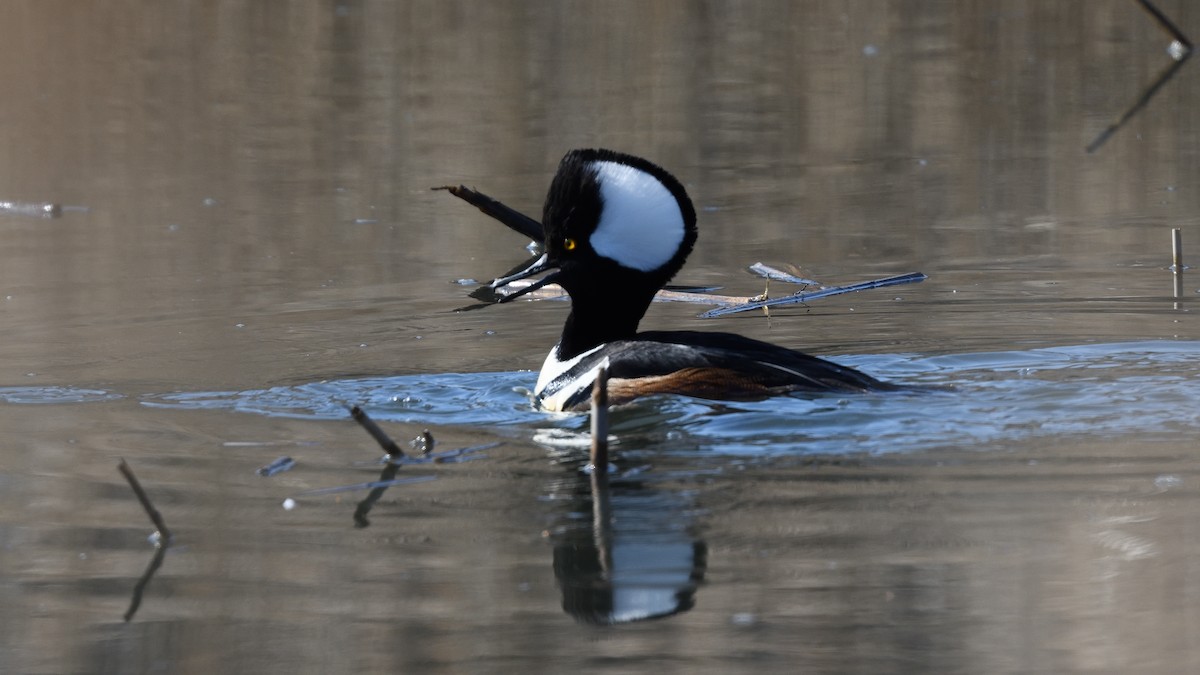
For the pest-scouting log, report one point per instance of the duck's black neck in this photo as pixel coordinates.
(598, 317)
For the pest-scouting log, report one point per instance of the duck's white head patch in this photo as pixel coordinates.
(641, 225)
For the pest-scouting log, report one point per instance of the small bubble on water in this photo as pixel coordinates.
(173, 227)
(489, 332)
(870, 50)
(155, 538)
(466, 282)
(239, 325)
(362, 344)
(83, 556)
(289, 504)
(209, 201)
(524, 586)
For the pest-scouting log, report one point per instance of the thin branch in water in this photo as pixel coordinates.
(140, 588)
(280, 465)
(387, 477)
(164, 539)
(1166, 24)
(802, 297)
(1177, 250)
(1177, 266)
(389, 446)
(395, 458)
(155, 516)
(1180, 50)
(599, 452)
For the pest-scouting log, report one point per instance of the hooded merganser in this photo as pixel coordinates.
(616, 229)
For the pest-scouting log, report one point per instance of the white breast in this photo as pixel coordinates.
(553, 369)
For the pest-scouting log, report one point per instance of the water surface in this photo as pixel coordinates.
(248, 245)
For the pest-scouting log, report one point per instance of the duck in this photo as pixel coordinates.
(616, 228)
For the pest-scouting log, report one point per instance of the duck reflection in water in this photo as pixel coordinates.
(634, 559)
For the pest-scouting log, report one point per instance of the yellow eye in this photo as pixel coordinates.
(569, 244)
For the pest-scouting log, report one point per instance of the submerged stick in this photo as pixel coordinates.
(599, 454)
(140, 588)
(387, 477)
(164, 539)
(1166, 24)
(155, 517)
(1177, 265)
(1176, 250)
(797, 298)
(1180, 50)
(389, 446)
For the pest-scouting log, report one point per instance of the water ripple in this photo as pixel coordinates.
(36, 395)
(1083, 390)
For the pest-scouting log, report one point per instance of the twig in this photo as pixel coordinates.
(802, 297)
(389, 446)
(1166, 24)
(1177, 265)
(514, 219)
(599, 454)
(278, 466)
(140, 588)
(164, 539)
(155, 517)
(1180, 50)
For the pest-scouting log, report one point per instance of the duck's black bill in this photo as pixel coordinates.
(537, 267)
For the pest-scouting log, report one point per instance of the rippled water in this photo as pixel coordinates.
(245, 245)
(959, 400)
